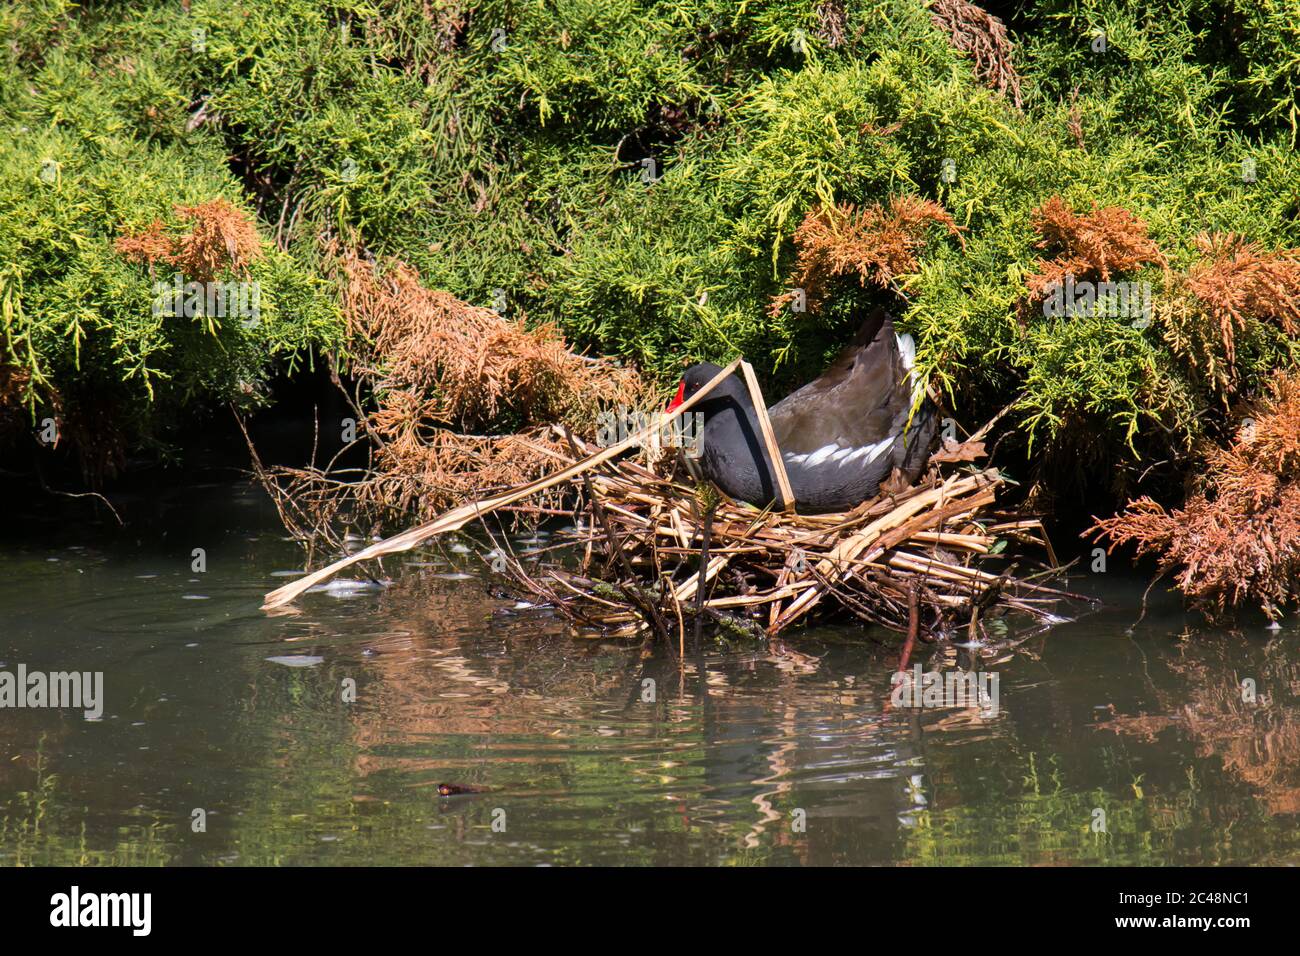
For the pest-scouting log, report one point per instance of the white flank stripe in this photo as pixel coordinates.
(842, 456)
(869, 452)
(821, 454)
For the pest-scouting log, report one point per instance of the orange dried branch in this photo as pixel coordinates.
(466, 365)
(1240, 283)
(983, 37)
(148, 248)
(1239, 538)
(875, 243)
(222, 237)
(1095, 245)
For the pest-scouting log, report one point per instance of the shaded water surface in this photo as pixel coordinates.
(747, 755)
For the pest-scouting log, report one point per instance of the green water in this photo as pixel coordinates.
(748, 754)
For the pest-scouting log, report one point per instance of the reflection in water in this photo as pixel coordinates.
(1245, 714)
(584, 751)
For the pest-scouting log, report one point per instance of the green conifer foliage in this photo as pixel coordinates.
(635, 171)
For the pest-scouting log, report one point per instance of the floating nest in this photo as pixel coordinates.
(662, 553)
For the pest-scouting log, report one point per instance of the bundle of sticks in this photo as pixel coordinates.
(660, 551)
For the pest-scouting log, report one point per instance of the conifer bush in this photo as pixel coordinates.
(636, 173)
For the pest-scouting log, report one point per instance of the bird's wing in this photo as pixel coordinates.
(856, 403)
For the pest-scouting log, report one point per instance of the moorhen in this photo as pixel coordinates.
(840, 435)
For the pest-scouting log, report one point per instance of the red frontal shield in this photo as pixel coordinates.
(679, 397)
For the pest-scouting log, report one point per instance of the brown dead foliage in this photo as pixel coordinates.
(1091, 246)
(832, 19)
(222, 237)
(440, 369)
(413, 474)
(1238, 539)
(1235, 285)
(411, 477)
(15, 390)
(437, 360)
(149, 247)
(983, 37)
(85, 422)
(1075, 121)
(15, 383)
(876, 243)
(93, 427)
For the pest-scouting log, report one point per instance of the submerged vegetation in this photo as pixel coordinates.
(650, 181)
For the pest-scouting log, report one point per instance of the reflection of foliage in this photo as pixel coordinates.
(40, 827)
(1257, 739)
(453, 688)
(1051, 821)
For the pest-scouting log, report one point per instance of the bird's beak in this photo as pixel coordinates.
(679, 397)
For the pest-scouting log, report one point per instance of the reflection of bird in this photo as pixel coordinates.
(840, 435)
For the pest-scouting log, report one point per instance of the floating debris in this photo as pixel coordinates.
(347, 587)
(297, 660)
